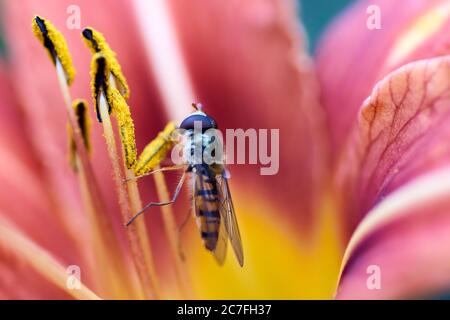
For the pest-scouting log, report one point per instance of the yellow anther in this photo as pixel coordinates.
(97, 44)
(121, 111)
(100, 72)
(156, 151)
(55, 44)
(117, 105)
(80, 108)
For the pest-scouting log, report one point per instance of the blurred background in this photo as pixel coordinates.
(315, 16)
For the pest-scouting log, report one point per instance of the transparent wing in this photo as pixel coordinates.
(229, 217)
(220, 249)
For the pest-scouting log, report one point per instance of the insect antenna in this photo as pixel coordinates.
(197, 106)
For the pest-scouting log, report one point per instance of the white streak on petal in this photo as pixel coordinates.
(39, 259)
(429, 187)
(165, 56)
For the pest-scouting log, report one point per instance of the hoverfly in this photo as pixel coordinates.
(211, 197)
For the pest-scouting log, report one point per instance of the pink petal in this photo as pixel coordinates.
(24, 200)
(401, 133)
(404, 241)
(352, 58)
(399, 136)
(395, 173)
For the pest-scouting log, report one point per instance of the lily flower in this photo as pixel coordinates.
(361, 187)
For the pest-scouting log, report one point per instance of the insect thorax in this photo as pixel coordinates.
(203, 148)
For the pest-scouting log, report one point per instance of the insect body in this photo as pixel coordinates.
(211, 196)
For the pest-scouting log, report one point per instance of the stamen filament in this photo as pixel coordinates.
(136, 205)
(40, 260)
(144, 266)
(105, 254)
(98, 45)
(166, 58)
(172, 231)
(134, 195)
(111, 263)
(150, 158)
(84, 122)
(106, 97)
(113, 259)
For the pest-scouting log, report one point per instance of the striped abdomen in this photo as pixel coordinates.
(206, 202)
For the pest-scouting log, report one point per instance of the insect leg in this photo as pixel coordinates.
(159, 204)
(170, 168)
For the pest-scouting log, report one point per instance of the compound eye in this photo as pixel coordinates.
(206, 122)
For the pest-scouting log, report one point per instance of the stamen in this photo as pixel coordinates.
(142, 259)
(100, 72)
(156, 151)
(97, 44)
(114, 280)
(84, 122)
(55, 44)
(38, 259)
(108, 99)
(154, 17)
(102, 81)
(171, 229)
(126, 126)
